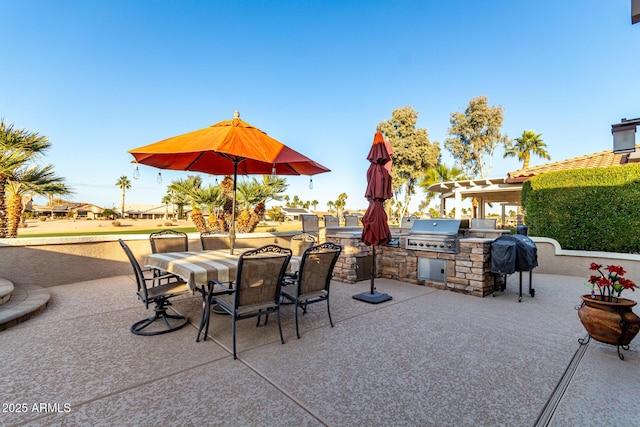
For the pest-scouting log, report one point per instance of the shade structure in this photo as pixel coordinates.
(231, 147)
(375, 229)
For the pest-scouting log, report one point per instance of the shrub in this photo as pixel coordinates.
(168, 224)
(586, 209)
(115, 223)
(42, 218)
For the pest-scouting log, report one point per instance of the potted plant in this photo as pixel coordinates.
(606, 316)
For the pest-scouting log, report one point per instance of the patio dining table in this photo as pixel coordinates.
(197, 268)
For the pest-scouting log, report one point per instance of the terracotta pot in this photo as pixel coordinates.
(609, 322)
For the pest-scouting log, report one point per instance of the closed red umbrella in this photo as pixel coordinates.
(375, 223)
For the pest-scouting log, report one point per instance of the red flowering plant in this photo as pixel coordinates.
(609, 285)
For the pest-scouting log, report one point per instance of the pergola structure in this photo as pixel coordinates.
(506, 191)
(484, 191)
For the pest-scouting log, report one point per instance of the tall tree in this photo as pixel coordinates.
(18, 147)
(522, 148)
(124, 184)
(340, 203)
(474, 136)
(412, 153)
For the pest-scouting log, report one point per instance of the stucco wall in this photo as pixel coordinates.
(61, 260)
(552, 259)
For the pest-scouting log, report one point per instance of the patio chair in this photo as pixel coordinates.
(311, 284)
(150, 291)
(331, 221)
(255, 291)
(351, 220)
(208, 241)
(168, 241)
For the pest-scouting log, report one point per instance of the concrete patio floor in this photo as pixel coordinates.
(427, 358)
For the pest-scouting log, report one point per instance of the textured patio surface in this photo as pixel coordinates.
(427, 358)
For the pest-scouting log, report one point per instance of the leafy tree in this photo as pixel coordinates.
(124, 184)
(109, 214)
(25, 183)
(412, 152)
(18, 147)
(522, 148)
(474, 135)
(275, 213)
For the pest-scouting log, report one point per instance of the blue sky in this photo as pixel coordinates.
(102, 77)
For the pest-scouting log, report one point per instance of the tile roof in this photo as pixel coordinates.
(601, 159)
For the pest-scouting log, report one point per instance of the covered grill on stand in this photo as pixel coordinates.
(511, 253)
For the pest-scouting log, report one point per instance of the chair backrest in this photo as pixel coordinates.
(310, 224)
(259, 276)
(331, 221)
(137, 271)
(316, 267)
(351, 220)
(169, 241)
(209, 241)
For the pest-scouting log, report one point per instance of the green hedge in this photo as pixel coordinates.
(586, 209)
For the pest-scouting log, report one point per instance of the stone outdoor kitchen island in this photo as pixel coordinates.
(468, 271)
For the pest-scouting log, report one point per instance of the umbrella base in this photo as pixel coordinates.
(373, 298)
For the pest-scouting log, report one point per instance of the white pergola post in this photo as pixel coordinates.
(458, 203)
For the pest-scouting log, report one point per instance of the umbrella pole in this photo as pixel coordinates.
(232, 228)
(373, 269)
(373, 297)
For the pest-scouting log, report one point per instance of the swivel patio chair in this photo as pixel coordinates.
(168, 241)
(255, 291)
(150, 291)
(312, 282)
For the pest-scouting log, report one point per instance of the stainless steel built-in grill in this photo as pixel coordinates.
(437, 235)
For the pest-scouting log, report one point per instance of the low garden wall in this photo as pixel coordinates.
(62, 260)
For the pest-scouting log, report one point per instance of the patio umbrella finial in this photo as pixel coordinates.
(379, 128)
(236, 114)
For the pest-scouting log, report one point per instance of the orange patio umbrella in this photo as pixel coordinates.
(230, 147)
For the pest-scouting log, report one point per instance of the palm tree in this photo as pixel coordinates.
(441, 173)
(25, 183)
(529, 143)
(315, 204)
(17, 148)
(124, 185)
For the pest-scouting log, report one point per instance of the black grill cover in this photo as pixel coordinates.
(513, 252)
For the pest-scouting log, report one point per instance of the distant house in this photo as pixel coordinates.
(293, 214)
(148, 211)
(68, 210)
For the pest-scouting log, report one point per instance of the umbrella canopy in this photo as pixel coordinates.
(230, 147)
(216, 148)
(376, 228)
